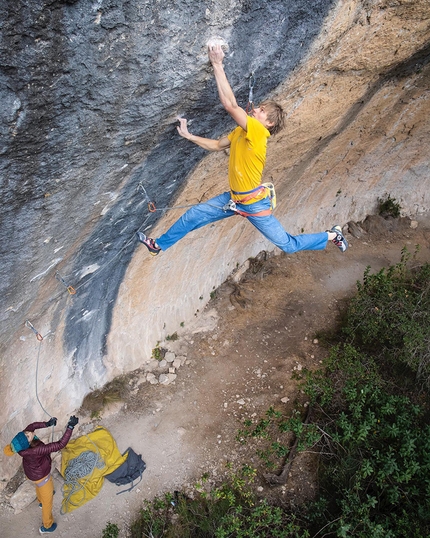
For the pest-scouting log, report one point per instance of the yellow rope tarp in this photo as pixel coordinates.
(107, 458)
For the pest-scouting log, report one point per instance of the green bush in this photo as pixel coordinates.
(110, 531)
(375, 478)
(389, 207)
(230, 510)
(272, 436)
(390, 317)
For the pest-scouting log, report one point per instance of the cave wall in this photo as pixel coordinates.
(91, 91)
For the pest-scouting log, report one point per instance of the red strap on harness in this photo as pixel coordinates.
(263, 213)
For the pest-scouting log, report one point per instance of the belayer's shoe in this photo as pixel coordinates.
(44, 530)
(339, 240)
(149, 243)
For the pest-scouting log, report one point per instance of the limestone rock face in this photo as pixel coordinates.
(90, 93)
(23, 496)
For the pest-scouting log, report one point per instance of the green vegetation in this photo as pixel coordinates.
(389, 207)
(172, 337)
(110, 531)
(158, 353)
(273, 436)
(389, 318)
(370, 425)
(225, 511)
(376, 443)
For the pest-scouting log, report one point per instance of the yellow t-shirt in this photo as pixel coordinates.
(247, 158)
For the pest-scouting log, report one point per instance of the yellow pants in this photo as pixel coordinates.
(45, 495)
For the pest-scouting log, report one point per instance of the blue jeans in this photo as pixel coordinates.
(269, 226)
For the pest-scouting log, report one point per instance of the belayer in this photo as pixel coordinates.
(247, 196)
(36, 460)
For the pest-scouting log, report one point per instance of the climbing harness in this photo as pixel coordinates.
(43, 482)
(37, 333)
(250, 105)
(249, 195)
(70, 289)
(231, 205)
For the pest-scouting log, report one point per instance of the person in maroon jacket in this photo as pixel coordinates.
(36, 460)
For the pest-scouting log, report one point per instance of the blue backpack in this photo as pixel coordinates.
(129, 471)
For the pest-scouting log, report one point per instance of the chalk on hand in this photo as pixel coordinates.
(217, 40)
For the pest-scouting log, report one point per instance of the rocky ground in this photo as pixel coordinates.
(236, 360)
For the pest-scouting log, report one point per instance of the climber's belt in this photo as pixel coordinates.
(43, 481)
(269, 190)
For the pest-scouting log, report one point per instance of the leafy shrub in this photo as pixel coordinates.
(110, 531)
(272, 436)
(390, 317)
(389, 207)
(376, 453)
(230, 510)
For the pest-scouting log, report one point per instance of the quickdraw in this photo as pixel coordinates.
(70, 289)
(37, 333)
(250, 105)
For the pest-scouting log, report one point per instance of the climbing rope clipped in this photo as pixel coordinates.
(152, 208)
(78, 468)
(40, 339)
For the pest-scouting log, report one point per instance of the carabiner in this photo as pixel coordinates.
(230, 206)
(70, 289)
(30, 326)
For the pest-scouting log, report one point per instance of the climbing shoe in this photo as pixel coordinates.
(44, 530)
(339, 240)
(149, 243)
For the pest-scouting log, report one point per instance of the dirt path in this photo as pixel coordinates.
(252, 337)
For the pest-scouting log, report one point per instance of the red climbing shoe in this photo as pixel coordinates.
(149, 243)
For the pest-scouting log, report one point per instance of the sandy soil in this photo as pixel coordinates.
(241, 352)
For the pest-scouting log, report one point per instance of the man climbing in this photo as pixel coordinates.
(247, 196)
(36, 460)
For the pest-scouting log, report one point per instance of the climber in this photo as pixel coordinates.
(247, 196)
(36, 460)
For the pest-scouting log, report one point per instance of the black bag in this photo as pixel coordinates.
(129, 471)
